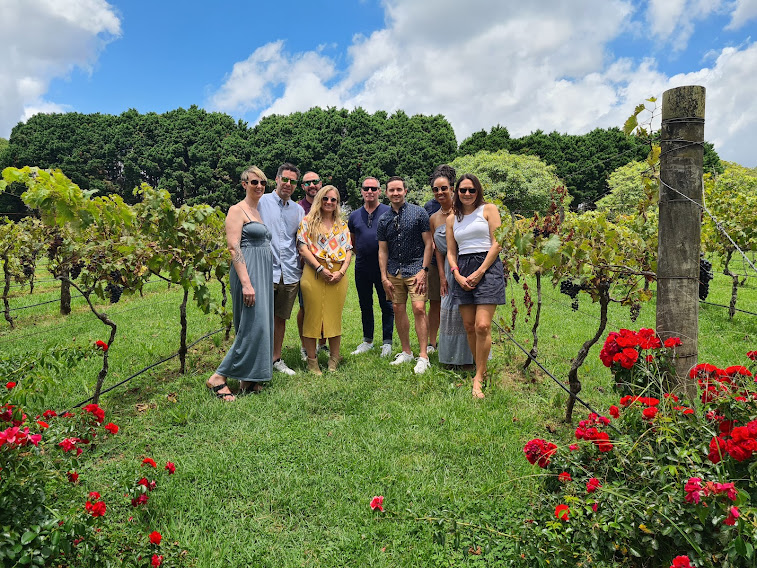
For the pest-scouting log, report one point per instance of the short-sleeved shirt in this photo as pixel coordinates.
(282, 219)
(403, 233)
(431, 206)
(364, 225)
(331, 247)
(305, 204)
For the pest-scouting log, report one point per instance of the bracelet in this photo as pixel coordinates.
(453, 268)
(319, 269)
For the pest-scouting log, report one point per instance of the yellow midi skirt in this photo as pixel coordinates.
(323, 303)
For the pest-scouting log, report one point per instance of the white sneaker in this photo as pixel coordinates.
(282, 367)
(364, 347)
(386, 349)
(421, 366)
(303, 354)
(402, 357)
(430, 349)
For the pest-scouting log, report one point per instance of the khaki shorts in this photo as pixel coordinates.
(284, 296)
(434, 286)
(404, 287)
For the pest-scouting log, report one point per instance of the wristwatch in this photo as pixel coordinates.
(425, 268)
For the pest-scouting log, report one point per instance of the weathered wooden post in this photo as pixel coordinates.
(680, 226)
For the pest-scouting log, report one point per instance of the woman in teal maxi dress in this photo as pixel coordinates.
(249, 360)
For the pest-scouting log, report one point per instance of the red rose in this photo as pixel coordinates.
(73, 477)
(561, 512)
(170, 467)
(539, 451)
(101, 345)
(156, 560)
(614, 411)
(155, 537)
(377, 503)
(602, 442)
(150, 462)
(671, 342)
(141, 500)
(752, 355)
(681, 562)
(9, 385)
(564, 477)
(733, 514)
(738, 370)
(717, 449)
(112, 428)
(573, 447)
(42, 424)
(94, 495)
(96, 411)
(592, 485)
(49, 414)
(649, 413)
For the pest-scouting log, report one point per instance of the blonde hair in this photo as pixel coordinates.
(315, 217)
(256, 171)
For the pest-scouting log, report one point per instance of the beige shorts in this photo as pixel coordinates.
(404, 287)
(434, 286)
(284, 296)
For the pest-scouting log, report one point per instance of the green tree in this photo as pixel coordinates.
(626, 187)
(731, 197)
(522, 183)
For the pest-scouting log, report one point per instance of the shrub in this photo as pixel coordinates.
(47, 517)
(654, 483)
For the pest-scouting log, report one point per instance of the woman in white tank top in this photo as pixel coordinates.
(473, 255)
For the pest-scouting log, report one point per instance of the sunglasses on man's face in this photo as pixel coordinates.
(327, 199)
(291, 181)
(370, 188)
(311, 182)
(254, 182)
(471, 190)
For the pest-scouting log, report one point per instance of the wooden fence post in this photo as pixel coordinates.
(680, 226)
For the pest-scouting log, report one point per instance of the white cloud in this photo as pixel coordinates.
(674, 21)
(544, 65)
(731, 106)
(43, 40)
(744, 11)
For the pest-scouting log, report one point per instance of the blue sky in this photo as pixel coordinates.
(546, 64)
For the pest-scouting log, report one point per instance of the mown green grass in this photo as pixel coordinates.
(285, 478)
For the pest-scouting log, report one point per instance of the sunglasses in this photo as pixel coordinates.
(288, 180)
(369, 188)
(254, 182)
(329, 199)
(442, 188)
(471, 190)
(309, 183)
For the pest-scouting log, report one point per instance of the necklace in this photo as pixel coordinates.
(447, 212)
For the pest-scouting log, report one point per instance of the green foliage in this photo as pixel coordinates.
(626, 190)
(732, 199)
(519, 182)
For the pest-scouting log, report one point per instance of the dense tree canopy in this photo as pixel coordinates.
(584, 162)
(198, 156)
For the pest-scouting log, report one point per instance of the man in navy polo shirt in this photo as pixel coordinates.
(363, 223)
(405, 248)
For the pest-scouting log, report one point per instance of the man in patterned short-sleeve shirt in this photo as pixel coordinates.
(405, 249)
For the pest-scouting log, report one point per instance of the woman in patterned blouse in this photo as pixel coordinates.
(324, 244)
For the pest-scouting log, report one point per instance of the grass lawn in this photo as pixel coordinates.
(285, 478)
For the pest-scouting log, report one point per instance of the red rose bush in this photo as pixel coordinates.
(658, 476)
(47, 515)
